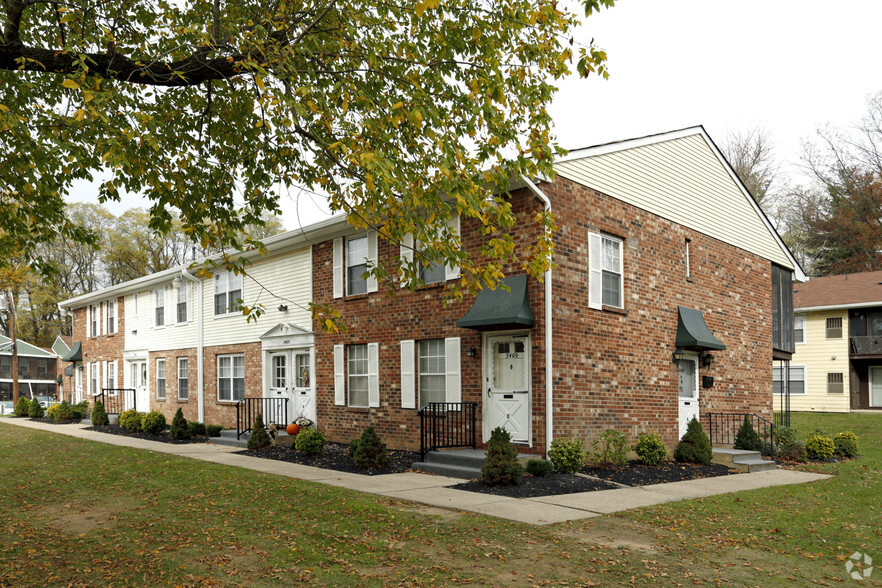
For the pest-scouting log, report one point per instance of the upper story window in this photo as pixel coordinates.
(227, 292)
(42, 368)
(5, 364)
(432, 273)
(23, 367)
(351, 258)
(356, 265)
(834, 327)
(606, 271)
(111, 316)
(159, 306)
(182, 303)
(799, 329)
(782, 309)
(688, 261)
(93, 320)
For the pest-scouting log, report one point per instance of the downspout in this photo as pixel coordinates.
(200, 384)
(549, 388)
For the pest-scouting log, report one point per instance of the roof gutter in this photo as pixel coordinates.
(549, 388)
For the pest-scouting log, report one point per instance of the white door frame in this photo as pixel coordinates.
(291, 340)
(688, 407)
(870, 390)
(487, 367)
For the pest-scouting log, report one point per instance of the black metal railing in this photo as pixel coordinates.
(274, 410)
(866, 345)
(116, 400)
(723, 426)
(447, 424)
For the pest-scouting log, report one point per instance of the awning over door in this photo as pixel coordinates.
(692, 331)
(75, 354)
(500, 307)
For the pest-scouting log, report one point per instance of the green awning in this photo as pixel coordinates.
(500, 307)
(692, 331)
(75, 354)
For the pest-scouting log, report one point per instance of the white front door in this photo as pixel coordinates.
(304, 404)
(876, 386)
(688, 385)
(291, 377)
(78, 385)
(280, 382)
(138, 381)
(507, 377)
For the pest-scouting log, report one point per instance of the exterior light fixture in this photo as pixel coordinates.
(135, 332)
(283, 308)
(677, 355)
(471, 351)
(177, 282)
(707, 360)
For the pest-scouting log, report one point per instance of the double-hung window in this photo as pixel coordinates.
(160, 378)
(606, 271)
(183, 379)
(356, 265)
(797, 379)
(181, 308)
(93, 373)
(227, 292)
(159, 306)
(432, 370)
(42, 368)
(799, 329)
(230, 377)
(111, 376)
(23, 367)
(358, 375)
(93, 320)
(111, 316)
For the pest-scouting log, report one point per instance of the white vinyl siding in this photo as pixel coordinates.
(230, 378)
(679, 179)
(227, 293)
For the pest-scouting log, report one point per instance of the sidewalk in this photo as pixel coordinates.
(434, 490)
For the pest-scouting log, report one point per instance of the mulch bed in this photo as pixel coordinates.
(52, 421)
(162, 437)
(637, 474)
(336, 457)
(531, 487)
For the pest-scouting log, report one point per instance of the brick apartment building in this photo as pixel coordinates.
(670, 298)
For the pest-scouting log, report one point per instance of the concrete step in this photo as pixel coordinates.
(743, 460)
(452, 471)
(456, 463)
(228, 437)
(755, 465)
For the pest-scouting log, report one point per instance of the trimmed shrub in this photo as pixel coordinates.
(368, 452)
(61, 412)
(130, 420)
(52, 411)
(566, 454)
(214, 430)
(196, 428)
(610, 449)
(539, 468)
(22, 407)
(35, 411)
(846, 444)
(153, 423)
(259, 438)
(695, 446)
(747, 438)
(501, 466)
(79, 410)
(792, 452)
(179, 428)
(310, 441)
(650, 448)
(99, 415)
(785, 435)
(819, 446)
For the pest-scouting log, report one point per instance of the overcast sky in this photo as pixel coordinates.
(785, 66)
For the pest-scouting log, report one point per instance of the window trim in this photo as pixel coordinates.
(161, 382)
(350, 375)
(841, 383)
(596, 270)
(828, 328)
(159, 296)
(419, 374)
(183, 288)
(232, 377)
(186, 387)
(225, 278)
(347, 265)
(804, 380)
(797, 318)
(110, 317)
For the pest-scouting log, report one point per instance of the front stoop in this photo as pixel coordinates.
(228, 437)
(741, 459)
(457, 463)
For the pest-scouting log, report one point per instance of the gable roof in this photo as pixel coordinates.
(62, 344)
(23, 348)
(681, 176)
(842, 291)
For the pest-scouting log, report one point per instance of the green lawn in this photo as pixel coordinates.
(88, 513)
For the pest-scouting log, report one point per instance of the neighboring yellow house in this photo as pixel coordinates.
(837, 366)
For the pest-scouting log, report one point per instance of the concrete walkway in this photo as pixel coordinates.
(434, 490)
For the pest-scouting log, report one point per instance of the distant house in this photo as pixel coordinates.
(671, 299)
(37, 370)
(837, 366)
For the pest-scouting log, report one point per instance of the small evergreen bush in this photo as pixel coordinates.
(819, 446)
(62, 412)
(747, 438)
(650, 448)
(611, 449)
(22, 407)
(695, 446)
(846, 444)
(792, 452)
(566, 454)
(785, 435)
(539, 468)
(99, 415)
(35, 411)
(179, 428)
(153, 423)
(501, 466)
(52, 411)
(214, 430)
(79, 410)
(196, 428)
(130, 420)
(259, 438)
(368, 451)
(310, 441)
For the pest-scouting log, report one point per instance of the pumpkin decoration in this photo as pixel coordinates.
(292, 429)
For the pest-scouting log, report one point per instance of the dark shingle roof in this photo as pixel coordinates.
(845, 289)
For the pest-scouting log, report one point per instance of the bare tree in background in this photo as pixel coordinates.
(751, 154)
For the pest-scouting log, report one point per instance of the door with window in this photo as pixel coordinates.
(138, 381)
(507, 378)
(876, 387)
(78, 384)
(688, 386)
(290, 377)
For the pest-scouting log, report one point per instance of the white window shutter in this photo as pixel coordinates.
(339, 387)
(103, 374)
(113, 366)
(595, 273)
(101, 318)
(373, 375)
(452, 271)
(372, 259)
(338, 267)
(88, 320)
(406, 253)
(452, 359)
(88, 384)
(408, 390)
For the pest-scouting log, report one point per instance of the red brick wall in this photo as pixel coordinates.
(99, 349)
(170, 404)
(224, 413)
